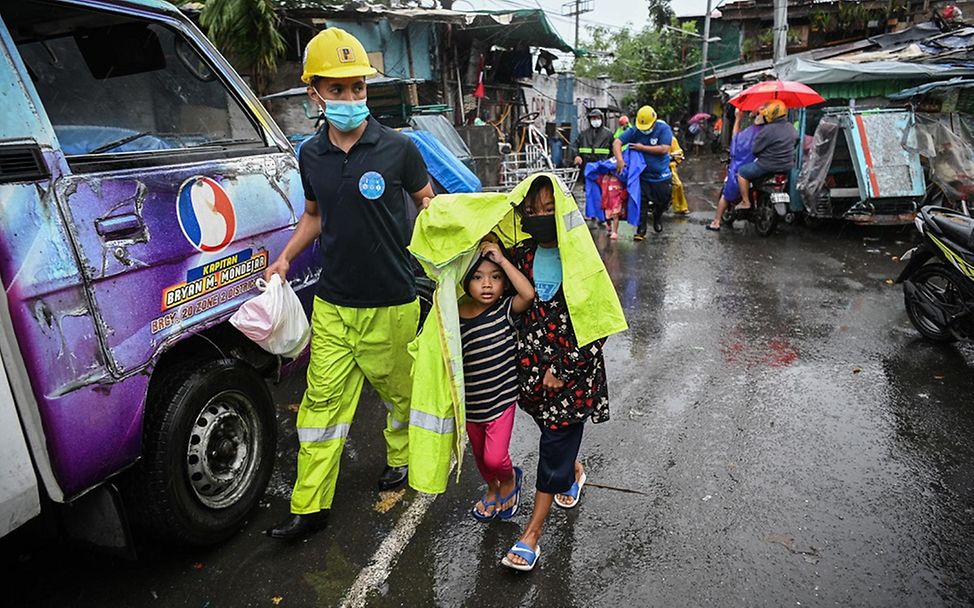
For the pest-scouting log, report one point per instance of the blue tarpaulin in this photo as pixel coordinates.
(442, 165)
(635, 163)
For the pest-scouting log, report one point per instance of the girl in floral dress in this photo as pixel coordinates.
(561, 385)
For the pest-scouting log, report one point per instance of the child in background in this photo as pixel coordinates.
(489, 340)
(614, 197)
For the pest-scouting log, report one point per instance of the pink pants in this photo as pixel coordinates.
(490, 443)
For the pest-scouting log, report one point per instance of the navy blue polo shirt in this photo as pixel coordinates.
(657, 165)
(364, 227)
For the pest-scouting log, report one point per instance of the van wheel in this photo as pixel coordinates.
(210, 437)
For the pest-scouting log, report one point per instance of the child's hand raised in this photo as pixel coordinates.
(492, 252)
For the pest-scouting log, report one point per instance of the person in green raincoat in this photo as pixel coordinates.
(561, 368)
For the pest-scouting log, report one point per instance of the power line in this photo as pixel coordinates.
(688, 75)
(550, 13)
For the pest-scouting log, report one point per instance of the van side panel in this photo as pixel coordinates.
(79, 428)
(154, 285)
(90, 427)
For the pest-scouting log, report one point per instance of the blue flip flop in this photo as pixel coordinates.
(525, 552)
(511, 511)
(487, 504)
(573, 492)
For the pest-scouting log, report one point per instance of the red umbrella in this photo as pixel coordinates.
(794, 94)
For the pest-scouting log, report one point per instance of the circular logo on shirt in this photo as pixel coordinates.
(372, 185)
(206, 214)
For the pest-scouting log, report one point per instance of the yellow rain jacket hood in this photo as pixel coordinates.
(446, 239)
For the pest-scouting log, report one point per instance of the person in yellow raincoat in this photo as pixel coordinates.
(571, 284)
(680, 206)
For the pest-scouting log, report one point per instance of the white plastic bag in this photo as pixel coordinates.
(274, 319)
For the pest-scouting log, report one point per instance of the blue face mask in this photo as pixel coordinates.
(346, 115)
(646, 131)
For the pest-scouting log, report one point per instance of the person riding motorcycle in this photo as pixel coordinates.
(774, 149)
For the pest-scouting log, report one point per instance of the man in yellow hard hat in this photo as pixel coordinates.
(354, 172)
(653, 138)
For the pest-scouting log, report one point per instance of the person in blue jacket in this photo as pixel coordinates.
(653, 138)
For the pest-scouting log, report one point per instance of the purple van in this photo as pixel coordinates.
(143, 190)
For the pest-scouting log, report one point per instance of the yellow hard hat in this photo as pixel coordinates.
(645, 118)
(334, 53)
(772, 110)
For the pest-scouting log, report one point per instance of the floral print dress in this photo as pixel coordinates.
(547, 340)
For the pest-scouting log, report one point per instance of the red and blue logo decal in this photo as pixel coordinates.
(206, 214)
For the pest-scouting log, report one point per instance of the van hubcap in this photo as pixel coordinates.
(222, 456)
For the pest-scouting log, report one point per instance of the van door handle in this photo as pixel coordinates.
(118, 227)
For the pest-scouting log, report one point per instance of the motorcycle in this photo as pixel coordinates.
(938, 281)
(770, 199)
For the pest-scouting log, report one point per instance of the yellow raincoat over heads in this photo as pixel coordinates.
(446, 240)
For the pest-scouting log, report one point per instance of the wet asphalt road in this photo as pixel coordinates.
(780, 436)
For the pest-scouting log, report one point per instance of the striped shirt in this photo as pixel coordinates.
(489, 362)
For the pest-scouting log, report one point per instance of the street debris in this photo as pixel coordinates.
(811, 555)
(614, 488)
(276, 600)
(387, 500)
(856, 370)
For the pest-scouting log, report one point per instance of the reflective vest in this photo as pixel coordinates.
(446, 239)
(618, 134)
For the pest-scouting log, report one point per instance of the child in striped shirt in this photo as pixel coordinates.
(489, 341)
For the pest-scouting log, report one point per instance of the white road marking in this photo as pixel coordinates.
(374, 575)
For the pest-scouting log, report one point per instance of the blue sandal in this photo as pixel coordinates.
(487, 504)
(574, 492)
(524, 552)
(511, 511)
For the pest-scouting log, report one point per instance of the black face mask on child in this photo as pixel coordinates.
(540, 227)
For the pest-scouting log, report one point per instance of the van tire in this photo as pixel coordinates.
(209, 440)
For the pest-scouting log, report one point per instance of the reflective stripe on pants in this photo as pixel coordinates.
(348, 346)
(434, 424)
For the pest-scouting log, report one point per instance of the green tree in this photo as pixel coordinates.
(660, 13)
(610, 53)
(247, 31)
(661, 60)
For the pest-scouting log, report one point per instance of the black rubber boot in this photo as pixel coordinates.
(393, 477)
(298, 526)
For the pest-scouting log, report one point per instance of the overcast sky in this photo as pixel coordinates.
(614, 13)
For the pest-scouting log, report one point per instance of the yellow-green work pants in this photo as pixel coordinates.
(679, 194)
(348, 346)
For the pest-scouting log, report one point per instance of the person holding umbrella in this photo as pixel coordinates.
(773, 149)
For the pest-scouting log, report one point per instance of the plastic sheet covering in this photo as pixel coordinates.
(442, 128)
(946, 141)
(815, 167)
(445, 168)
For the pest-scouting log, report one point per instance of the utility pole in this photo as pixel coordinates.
(575, 9)
(703, 56)
(780, 30)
